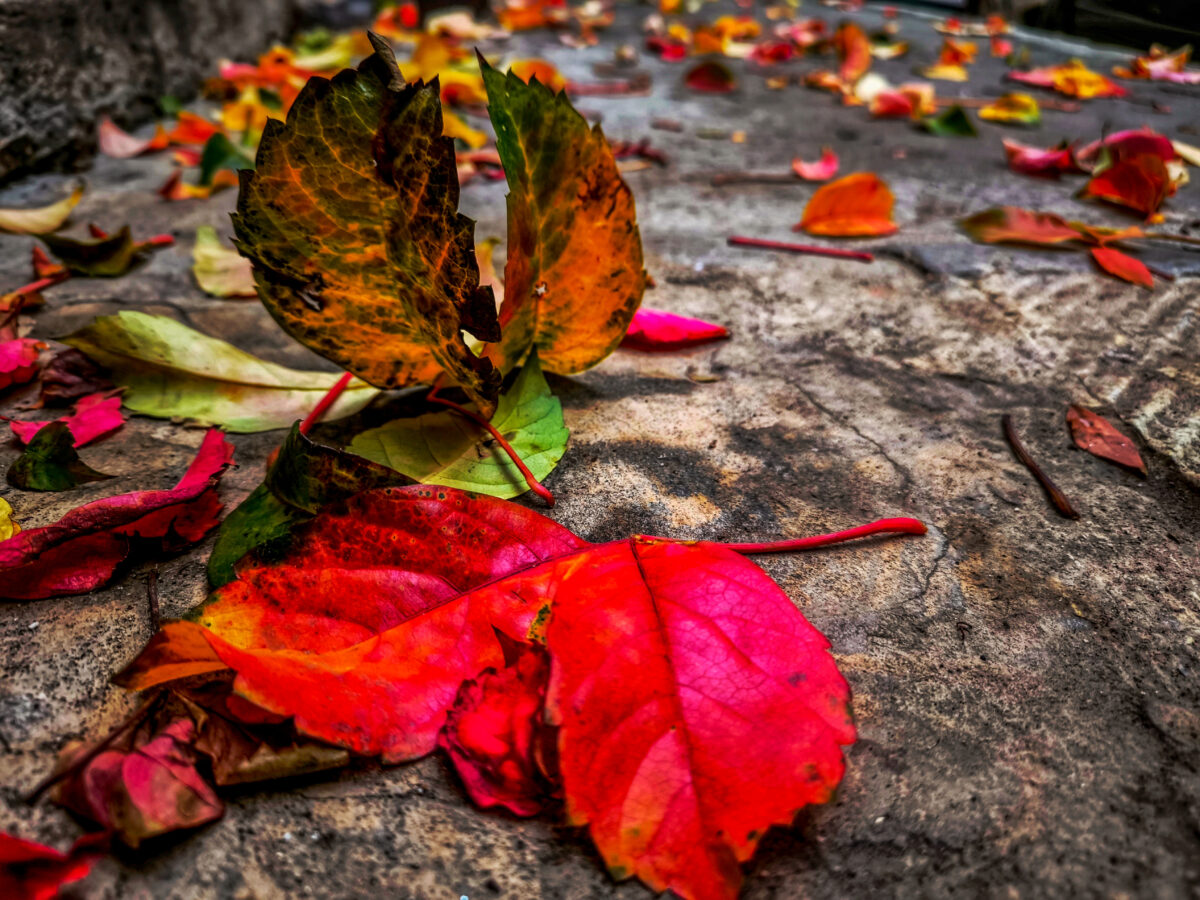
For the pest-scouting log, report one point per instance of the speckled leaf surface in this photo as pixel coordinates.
(574, 275)
(350, 221)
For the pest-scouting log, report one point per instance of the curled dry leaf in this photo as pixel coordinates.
(857, 205)
(50, 463)
(385, 283)
(1123, 266)
(81, 551)
(31, 871)
(169, 371)
(41, 220)
(220, 270)
(103, 255)
(822, 170)
(70, 375)
(1095, 434)
(574, 275)
(94, 416)
(656, 329)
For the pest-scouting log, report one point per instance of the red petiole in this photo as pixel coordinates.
(879, 526)
(811, 249)
(325, 402)
(534, 485)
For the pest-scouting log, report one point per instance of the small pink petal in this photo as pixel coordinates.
(93, 417)
(654, 329)
(822, 170)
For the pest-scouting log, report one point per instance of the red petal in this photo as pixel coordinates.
(31, 871)
(719, 713)
(1095, 434)
(822, 170)
(94, 416)
(122, 145)
(1049, 163)
(1114, 262)
(655, 329)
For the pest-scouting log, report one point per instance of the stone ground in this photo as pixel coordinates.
(1027, 688)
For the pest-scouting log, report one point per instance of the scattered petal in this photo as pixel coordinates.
(859, 204)
(19, 360)
(1114, 262)
(93, 417)
(656, 330)
(1050, 163)
(822, 170)
(120, 144)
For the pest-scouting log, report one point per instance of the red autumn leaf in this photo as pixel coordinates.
(1114, 262)
(712, 77)
(1050, 163)
(191, 129)
(495, 736)
(93, 417)
(1095, 434)
(122, 145)
(1124, 145)
(146, 789)
(719, 713)
(655, 329)
(1139, 183)
(668, 50)
(822, 170)
(854, 52)
(82, 550)
(18, 360)
(859, 204)
(1013, 225)
(31, 871)
(44, 266)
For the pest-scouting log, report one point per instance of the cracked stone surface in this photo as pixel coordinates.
(1026, 687)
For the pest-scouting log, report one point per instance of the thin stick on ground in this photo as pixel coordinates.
(810, 249)
(534, 485)
(1057, 497)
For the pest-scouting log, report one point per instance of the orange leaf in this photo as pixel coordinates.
(859, 204)
(1095, 434)
(1114, 262)
(854, 52)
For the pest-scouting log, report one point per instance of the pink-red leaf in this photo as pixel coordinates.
(144, 790)
(1124, 145)
(1122, 265)
(122, 145)
(495, 736)
(1050, 163)
(31, 871)
(82, 550)
(1095, 434)
(656, 329)
(93, 417)
(696, 707)
(821, 170)
(18, 360)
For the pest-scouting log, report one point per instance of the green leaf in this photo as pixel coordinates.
(350, 221)
(50, 463)
(171, 371)
(574, 275)
(304, 477)
(220, 271)
(445, 448)
(953, 122)
(221, 153)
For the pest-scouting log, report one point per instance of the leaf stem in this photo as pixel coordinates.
(1057, 497)
(325, 402)
(1178, 238)
(534, 485)
(880, 526)
(837, 253)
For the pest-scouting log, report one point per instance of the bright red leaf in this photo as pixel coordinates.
(1095, 434)
(192, 129)
(711, 77)
(1050, 163)
(93, 417)
(32, 871)
(859, 204)
(822, 170)
(139, 791)
(495, 735)
(18, 360)
(1140, 183)
(656, 329)
(82, 550)
(1122, 265)
(719, 711)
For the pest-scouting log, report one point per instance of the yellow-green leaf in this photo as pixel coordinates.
(219, 270)
(43, 219)
(171, 371)
(574, 275)
(350, 221)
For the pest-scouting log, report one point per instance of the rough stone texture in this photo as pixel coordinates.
(68, 62)
(1026, 687)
